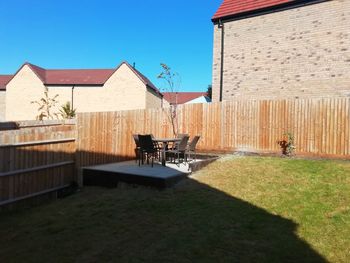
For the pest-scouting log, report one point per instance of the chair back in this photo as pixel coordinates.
(181, 135)
(146, 143)
(183, 143)
(193, 143)
(136, 139)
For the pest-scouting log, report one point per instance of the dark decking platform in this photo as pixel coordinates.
(109, 175)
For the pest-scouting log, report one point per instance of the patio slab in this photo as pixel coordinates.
(109, 175)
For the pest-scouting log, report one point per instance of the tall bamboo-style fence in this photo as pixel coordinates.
(36, 159)
(321, 128)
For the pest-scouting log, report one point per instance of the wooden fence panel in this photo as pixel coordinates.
(321, 128)
(35, 159)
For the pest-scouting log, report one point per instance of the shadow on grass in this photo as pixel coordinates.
(189, 223)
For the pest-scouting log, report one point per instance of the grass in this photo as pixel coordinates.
(247, 209)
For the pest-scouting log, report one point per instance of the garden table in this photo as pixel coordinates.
(165, 142)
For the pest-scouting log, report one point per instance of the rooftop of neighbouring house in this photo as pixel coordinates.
(4, 79)
(182, 97)
(70, 77)
(230, 8)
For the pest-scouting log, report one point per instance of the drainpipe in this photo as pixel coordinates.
(72, 104)
(221, 25)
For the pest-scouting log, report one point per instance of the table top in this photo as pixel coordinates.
(167, 139)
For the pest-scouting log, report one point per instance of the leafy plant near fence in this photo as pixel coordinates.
(67, 111)
(46, 103)
(290, 144)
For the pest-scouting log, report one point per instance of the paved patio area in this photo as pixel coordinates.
(109, 175)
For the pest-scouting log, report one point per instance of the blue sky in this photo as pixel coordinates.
(102, 33)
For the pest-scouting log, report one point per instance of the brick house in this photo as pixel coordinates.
(88, 90)
(281, 49)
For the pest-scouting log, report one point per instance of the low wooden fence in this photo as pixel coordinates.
(36, 158)
(321, 128)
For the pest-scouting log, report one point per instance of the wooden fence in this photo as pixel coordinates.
(36, 159)
(321, 128)
(107, 136)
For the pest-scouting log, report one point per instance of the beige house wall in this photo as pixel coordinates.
(166, 104)
(123, 91)
(20, 91)
(301, 52)
(2, 105)
(64, 94)
(153, 99)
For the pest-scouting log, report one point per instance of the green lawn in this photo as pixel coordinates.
(247, 209)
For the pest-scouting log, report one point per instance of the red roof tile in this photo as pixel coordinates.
(40, 72)
(234, 7)
(182, 97)
(76, 76)
(72, 76)
(4, 79)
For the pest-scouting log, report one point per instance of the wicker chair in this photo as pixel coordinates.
(147, 148)
(181, 135)
(180, 149)
(157, 145)
(175, 144)
(137, 148)
(191, 148)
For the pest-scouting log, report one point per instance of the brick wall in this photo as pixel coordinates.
(301, 52)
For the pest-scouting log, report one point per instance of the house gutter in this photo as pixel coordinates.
(72, 106)
(221, 25)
